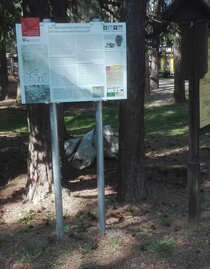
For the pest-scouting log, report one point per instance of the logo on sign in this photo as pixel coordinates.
(30, 26)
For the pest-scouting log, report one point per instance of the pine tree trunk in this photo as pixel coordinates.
(179, 81)
(133, 183)
(59, 10)
(3, 71)
(147, 77)
(39, 181)
(18, 97)
(154, 81)
(39, 155)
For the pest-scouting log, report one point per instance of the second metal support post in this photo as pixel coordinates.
(56, 170)
(100, 167)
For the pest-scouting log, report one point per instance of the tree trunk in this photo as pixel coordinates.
(154, 81)
(147, 77)
(133, 183)
(18, 97)
(179, 81)
(39, 181)
(59, 9)
(36, 8)
(3, 72)
(39, 156)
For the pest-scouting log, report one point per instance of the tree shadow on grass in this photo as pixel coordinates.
(80, 180)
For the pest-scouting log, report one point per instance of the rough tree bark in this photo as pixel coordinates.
(39, 181)
(39, 155)
(154, 80)
(179, 81)
(133, 182)
(147, 77)
(3, 71)
(59, 8)
(38, 8)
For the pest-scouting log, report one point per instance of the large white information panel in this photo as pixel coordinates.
(72, 62)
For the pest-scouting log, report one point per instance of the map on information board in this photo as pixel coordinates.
(73, 62)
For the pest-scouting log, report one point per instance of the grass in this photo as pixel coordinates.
(49, 218)
(170, 121)
(13, 121)
(28, 253)
(115, 242)
(78, 226)
(164, 245)
(4, 238)
(86, 247)
(27, 218)
(114, 239)
(84, 121)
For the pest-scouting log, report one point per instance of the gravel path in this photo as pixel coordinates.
(163, 95)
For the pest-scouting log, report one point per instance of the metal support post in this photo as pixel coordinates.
(100, 167)
(56, 171)
(56, 166)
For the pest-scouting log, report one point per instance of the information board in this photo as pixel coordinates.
(73, 62)
(205, 95)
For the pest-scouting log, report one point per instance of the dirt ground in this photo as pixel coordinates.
(154, 234)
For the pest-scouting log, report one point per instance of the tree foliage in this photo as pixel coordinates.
(85, 10)
(9, 14)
